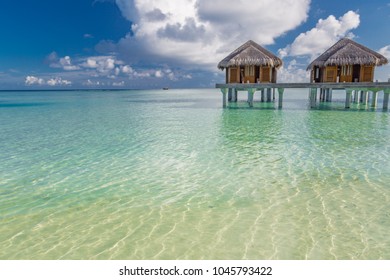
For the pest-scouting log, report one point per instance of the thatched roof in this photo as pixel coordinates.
(250, 53)
(348, 52)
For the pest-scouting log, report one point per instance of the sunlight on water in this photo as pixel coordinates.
(172, 175)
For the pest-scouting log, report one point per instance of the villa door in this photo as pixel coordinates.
(331, 74)
(367, 73)
(233, 78)
(265, 75)
(346, 73)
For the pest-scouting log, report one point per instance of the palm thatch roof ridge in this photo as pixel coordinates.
(250, 53)
(348, 52)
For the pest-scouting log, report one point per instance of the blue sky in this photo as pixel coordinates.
(176, 43)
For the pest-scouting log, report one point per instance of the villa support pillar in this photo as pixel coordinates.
(251, 92)
(262, 98)
(329, 97)
(234, 95)
(280, 100)
(364, 97)
(313, 96)
(348, 96)
(386, 93)
(356, 96)
(224, 91)
(268, 94)
(374, 97)
(230, 94)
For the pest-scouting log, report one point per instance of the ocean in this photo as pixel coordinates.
(170, 174)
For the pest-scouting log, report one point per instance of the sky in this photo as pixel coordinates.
(143, 44)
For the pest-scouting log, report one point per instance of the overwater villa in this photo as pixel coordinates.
(345, 61)
(346, 65)
(251, 63)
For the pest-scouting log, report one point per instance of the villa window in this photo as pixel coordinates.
(249, 70)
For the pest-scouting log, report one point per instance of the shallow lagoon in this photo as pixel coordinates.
(172, 175)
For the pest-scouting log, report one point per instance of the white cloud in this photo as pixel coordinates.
(118, 84)
(293, 72)
(385, 51)
(32, 80)
(97, 71)
(92, 83)
(126, 69)
(142, 74)
(327, 32)
(201, 32)
(64, 63)
(102, 64)
(382, 72)
(58, 81)
(90, 63)
(159, 74)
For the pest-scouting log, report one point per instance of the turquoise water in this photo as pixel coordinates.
(172, 175)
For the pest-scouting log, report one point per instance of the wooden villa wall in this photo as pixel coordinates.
(345, 73)
(330, 74)
(366, 73)
(265, 74)
(251, 74)
(233, 75)
(316, 74)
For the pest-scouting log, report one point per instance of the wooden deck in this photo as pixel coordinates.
(355, 92)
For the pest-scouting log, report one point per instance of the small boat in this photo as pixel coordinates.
(165, 88)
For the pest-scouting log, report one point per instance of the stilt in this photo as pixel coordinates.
(224, 91)
(327, 96)
(348, 95)
(356, 97)
(230, 94)
(324, 94)
(280, 100)
(364, 97)
(313, 95)
(262, 95)
(374, 98)
(359, 96)
(273, 93)
(251, 92)
(234, 95)
(268, 94)
(386, 93)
